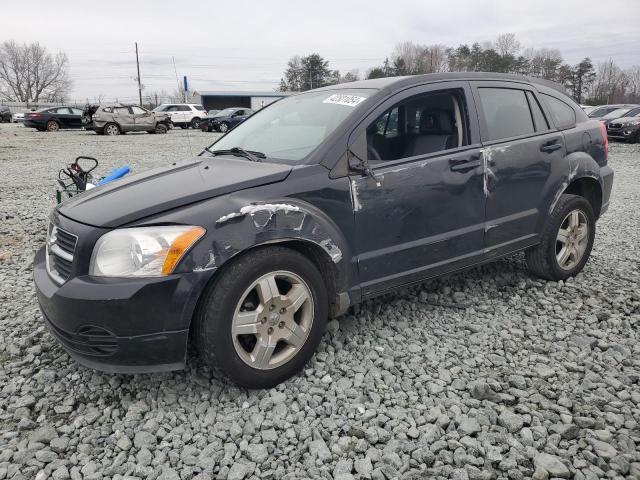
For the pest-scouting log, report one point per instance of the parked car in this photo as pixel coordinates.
(315, 203)
(603, 110)
(588, 108)
(617, 113)
(204, 124)
(228, 118)
(184, 115)
(626, 127)
(5, 114)
(117, 119)
(18, 117)
(53, 119)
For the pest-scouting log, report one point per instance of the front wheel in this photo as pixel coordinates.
(566, 240)
(195, 123)
(260, 322)
(161, 128)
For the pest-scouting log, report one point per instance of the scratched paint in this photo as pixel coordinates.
(211, 264)
(269, 208)
(573, 171)
(332, 249)
(488, 154)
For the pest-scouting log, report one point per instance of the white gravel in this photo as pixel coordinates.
(483, 375)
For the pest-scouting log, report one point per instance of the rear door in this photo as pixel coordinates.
(63, 115)
(124, 118)
(423, 213)
(521, 151)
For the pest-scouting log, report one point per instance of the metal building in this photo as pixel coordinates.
(219, 100)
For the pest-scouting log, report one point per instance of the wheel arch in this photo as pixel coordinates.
(590, 189)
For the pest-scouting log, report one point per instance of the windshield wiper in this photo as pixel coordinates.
(250, 154)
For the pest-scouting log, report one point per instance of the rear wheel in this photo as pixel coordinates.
(184, 126)
(52, 126)
(262, 319)
(566, 241)
(111, 129)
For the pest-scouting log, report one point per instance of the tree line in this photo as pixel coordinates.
(586, 83)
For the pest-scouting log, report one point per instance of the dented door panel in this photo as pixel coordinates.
(422, 219)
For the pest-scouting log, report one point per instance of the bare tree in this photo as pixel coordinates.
(415, 58)
(507, 44)
(29, 73)
(633, 84)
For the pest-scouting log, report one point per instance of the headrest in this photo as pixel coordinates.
(436, 122)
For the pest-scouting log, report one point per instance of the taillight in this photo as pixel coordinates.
(605, 140)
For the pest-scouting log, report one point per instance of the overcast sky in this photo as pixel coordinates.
(245, 45)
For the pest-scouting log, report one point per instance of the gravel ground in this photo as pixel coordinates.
(487, 374)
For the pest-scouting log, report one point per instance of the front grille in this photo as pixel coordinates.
(88, 340)
(61, 246)
(615, 125)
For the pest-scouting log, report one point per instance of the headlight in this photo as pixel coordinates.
(142, 252)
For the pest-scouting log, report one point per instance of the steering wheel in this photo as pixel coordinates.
(373, 153)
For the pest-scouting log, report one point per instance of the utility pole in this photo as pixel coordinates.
(139, 84)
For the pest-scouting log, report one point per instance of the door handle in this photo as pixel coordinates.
(461, 164)
(550, 147)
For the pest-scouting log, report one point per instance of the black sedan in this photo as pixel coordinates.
(54, 118)
(226, 119)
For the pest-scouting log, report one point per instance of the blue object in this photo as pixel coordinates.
(115, 174)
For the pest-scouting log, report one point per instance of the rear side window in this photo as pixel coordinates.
(563, 115)
(183, 108)
(107, 110)
(506, 112)
(199, 107)
(539, 119)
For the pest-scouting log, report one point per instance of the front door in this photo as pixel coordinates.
(422, 212)
(520, 150)
(142, 119)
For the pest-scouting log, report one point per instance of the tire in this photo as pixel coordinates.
(235, 355)
(544, 260)
(160, 128)
(52, 126)
(111, 129)
(195, 123)
(223, 127)
(184, 126)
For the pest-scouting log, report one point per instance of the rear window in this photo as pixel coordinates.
(506, 112)
(563, 115)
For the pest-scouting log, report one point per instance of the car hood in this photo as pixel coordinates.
(138, 196)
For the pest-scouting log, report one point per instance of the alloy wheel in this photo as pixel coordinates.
(572, 239)
(111, 129)
(53, 126)
(272, 320)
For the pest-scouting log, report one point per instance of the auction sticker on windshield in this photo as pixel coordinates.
(341, 99)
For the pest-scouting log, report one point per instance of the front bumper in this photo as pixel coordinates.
(623, 133)
(121, 325)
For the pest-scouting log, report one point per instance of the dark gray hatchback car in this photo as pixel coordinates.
(315, 203)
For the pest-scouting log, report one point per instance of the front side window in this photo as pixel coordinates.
(76, 111)
(290, 129)
(138, 110)
(420, 125)
(506, 112)
(121, 110)
(563, 114)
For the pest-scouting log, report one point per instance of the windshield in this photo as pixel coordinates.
(226, 112)
(291, 128)
(616, 113)
(599, 112)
